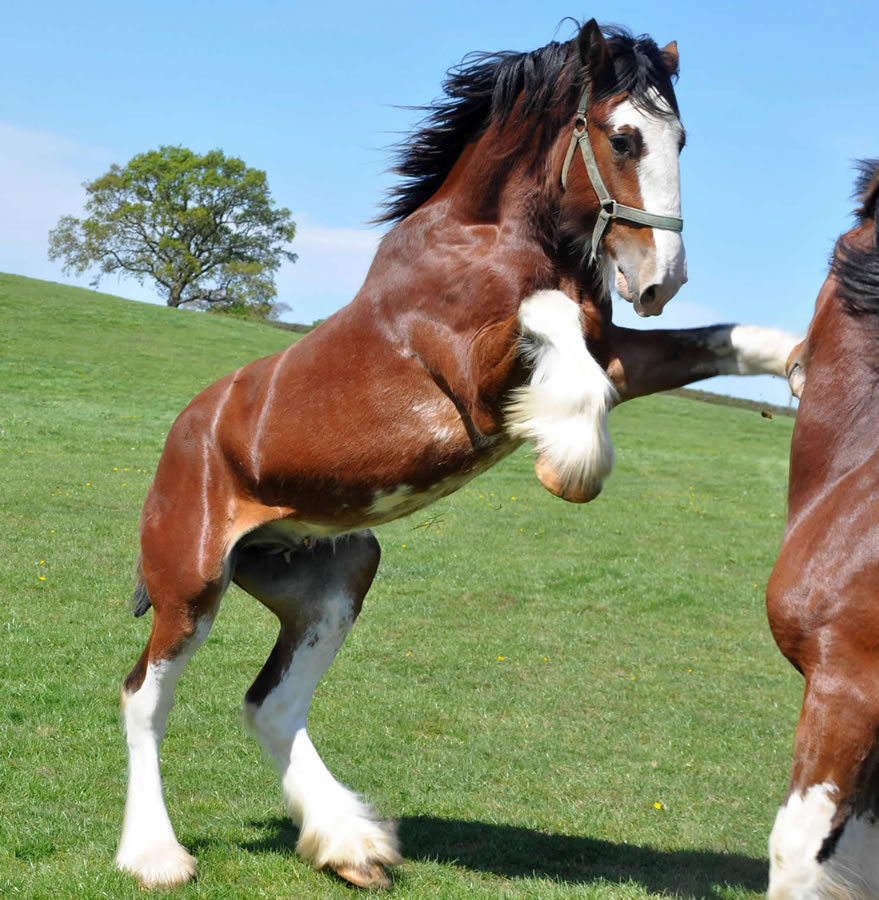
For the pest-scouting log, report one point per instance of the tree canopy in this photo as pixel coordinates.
(203, 228)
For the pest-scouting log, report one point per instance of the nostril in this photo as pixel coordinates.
(649, 295)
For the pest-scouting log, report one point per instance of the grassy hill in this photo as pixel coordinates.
(554, 701)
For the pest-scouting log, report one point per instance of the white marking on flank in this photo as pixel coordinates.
(563, 410)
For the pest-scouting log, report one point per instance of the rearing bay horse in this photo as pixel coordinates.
(822, 596)
(541, 180)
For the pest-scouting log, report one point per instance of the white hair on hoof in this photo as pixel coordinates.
(148, 848)
(161, 866)
(563, 409)
(337, 829)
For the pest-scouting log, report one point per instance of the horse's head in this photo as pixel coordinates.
(625, 212)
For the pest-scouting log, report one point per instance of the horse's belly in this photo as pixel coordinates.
(382, 506)
(407, 499)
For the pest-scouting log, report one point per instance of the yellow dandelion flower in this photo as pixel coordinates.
(501, 658)
(657, 805)
(408, 653)
(42, 577)
(42, 562)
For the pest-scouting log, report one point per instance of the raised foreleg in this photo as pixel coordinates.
(564, 406)
(316, 591)
(644, 362)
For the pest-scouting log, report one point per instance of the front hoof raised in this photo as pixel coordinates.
(550, 477)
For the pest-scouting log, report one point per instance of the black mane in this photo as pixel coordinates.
(857, 270)
(485, 87)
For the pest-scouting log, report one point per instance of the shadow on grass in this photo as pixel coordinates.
(509, 851)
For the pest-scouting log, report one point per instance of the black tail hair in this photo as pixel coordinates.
(140, 599)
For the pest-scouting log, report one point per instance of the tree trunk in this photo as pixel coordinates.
(175, 295)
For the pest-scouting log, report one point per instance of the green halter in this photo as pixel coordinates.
(610, 209)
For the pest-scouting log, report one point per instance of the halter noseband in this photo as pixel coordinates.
(610, 209)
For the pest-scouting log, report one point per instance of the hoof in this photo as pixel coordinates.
(165, 866)
(550, 478)
(370, 875)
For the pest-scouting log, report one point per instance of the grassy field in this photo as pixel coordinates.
(554, 701)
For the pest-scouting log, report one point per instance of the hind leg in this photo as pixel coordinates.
(148, 848)
(316, 593)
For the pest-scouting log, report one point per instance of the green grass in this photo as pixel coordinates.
(637, 665)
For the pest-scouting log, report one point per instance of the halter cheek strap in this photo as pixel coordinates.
(610, 209)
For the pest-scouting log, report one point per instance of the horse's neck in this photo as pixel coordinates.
(447, 283)
(448, 280)
(836, 425)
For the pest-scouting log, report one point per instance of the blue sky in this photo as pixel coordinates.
(777, 99)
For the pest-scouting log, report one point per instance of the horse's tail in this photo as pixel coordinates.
(140, 599)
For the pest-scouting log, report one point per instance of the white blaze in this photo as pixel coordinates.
(659, 180)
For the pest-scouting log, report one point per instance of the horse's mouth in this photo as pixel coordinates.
(622, 285)
(643, 303)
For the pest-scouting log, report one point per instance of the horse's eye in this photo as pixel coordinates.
(620, 144)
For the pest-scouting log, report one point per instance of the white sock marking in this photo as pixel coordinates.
(563, 410)
(336, 827)
(851, 870)
(148, 847)
(761, 351)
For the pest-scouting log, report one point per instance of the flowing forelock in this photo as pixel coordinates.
(486, 87)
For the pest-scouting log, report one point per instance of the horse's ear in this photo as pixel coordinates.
(593, 51)
(670, 58)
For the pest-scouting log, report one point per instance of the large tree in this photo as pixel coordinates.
(202, 227)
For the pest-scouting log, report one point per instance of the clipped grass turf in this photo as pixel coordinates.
(554, 701)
